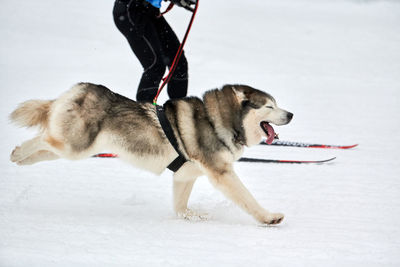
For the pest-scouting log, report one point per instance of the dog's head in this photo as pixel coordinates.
(259, 111)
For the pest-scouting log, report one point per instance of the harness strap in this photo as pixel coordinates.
(166, 126)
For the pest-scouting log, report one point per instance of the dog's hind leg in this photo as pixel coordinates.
(229, 183)
(27, 149)
(40, 155)
(184, 180)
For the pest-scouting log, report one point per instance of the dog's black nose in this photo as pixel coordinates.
(289, 116)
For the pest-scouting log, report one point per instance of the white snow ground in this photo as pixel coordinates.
(335, 64)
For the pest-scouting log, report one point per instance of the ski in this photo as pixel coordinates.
(254, 160)
(105, 155)
(308, 145)
(257, 160)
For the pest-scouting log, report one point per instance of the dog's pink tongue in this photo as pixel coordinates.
(270, 132)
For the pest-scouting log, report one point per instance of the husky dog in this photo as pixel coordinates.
(211, 134)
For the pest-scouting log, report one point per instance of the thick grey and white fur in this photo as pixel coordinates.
(211, 133)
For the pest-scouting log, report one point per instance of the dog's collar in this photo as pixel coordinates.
(166, 126)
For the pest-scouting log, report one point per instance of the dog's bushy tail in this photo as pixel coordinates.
(32, 113)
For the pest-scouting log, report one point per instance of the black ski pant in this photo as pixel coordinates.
(155, 45)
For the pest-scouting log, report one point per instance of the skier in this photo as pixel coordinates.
(154, 43)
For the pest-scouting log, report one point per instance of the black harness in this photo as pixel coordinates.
(166, 126)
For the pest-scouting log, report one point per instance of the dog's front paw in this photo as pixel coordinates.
(272, 218)
(192, 215)
(16, 154)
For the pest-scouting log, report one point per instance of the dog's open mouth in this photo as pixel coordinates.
(269, 131)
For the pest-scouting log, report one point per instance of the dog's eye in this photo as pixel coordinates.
(269, 107)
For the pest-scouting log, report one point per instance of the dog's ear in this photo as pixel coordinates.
(240, 95)
(248, 96)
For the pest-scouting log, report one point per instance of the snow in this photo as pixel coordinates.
(334, 64)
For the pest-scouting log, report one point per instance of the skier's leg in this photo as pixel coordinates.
(136, 24)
